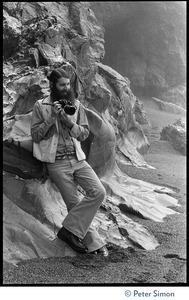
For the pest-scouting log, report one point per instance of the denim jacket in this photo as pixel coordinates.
(44, 131)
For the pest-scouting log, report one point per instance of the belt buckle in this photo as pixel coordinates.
(61, 157)
(65, 155)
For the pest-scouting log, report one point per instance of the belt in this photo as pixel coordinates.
(65, 155)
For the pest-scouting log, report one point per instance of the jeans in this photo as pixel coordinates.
(66, 174)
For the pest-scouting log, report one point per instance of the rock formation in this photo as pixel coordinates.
(39, 36)
(146, 42)
(169, 107)
(176, 135)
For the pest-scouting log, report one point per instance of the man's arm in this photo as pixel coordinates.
(40, 129)
(81, 130)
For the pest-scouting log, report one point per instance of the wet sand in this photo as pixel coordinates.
(164, 265)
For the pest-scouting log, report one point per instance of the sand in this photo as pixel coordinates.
(164, 265)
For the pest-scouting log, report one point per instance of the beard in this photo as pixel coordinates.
(57, 95)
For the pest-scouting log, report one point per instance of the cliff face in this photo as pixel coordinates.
(39, 36)
(145, 41)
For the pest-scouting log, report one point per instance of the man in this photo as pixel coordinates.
(56, 141)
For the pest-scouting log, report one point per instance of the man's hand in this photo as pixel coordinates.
(56, 108)
(65, 118)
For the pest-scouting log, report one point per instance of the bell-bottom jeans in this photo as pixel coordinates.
(66, 174)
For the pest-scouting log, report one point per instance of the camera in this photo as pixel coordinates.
(67, 106)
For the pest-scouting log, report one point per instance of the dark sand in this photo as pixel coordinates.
(165, 264)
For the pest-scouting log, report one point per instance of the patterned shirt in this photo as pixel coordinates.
(65, 142)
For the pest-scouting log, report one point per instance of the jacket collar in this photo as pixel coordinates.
(47, 99)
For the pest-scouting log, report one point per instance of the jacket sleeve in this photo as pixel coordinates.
(40, 128)
(80, 130)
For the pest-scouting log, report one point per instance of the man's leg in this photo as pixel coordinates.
(92, 239)
(81, 215)
(61, 173)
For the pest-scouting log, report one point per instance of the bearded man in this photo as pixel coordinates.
(56, 138)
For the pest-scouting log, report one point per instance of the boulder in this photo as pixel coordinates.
(176, 135)
(28, 230)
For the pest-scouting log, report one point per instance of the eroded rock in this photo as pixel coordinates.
(11, 34)
(140, 114)
(33, 213)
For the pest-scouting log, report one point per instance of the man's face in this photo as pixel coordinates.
(62, 90)
(63, 87)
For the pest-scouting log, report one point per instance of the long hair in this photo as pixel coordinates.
(53, 78)
(56, 74)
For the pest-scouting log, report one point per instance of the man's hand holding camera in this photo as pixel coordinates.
(58, 110)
